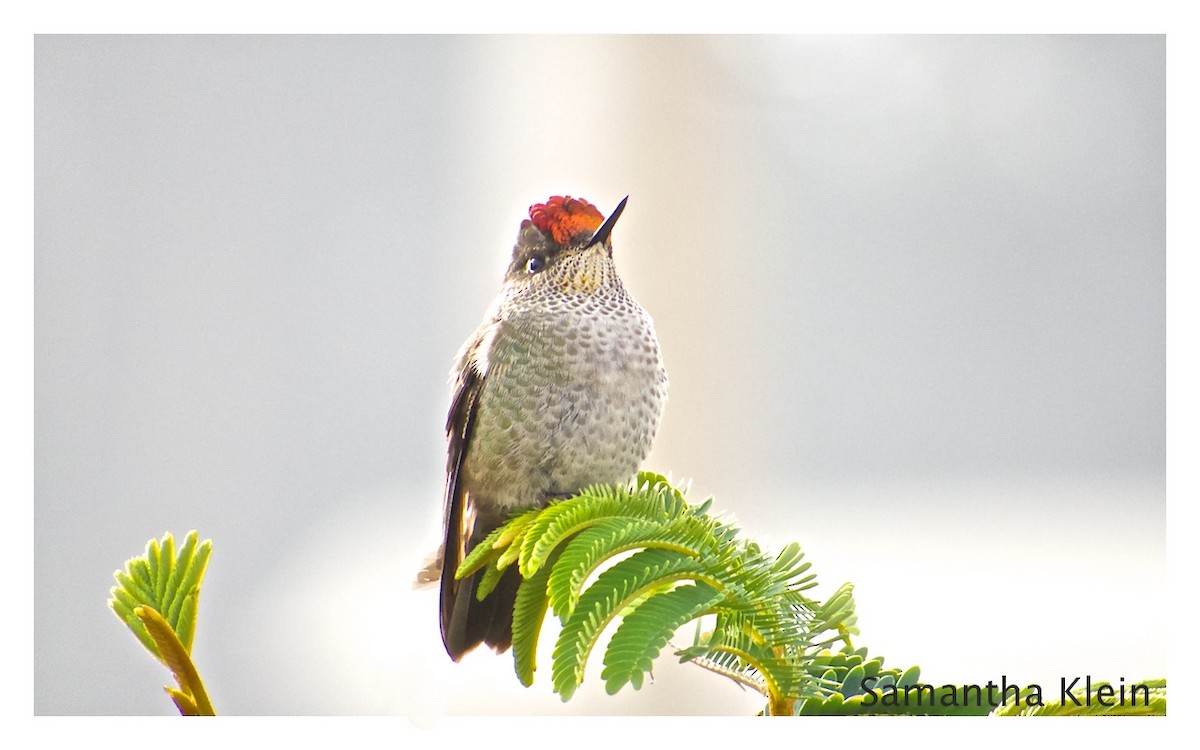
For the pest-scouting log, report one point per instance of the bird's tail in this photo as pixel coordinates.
(467, 621)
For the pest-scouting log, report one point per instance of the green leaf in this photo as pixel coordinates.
(167, 581)
(489, 580)
(529, 612)
(562, 520)
(644, 632)
(610, 537)
(675, 563)
(156, 597)
(495, 543)
(612, 591)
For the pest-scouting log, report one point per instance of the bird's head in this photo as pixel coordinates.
(565, 246)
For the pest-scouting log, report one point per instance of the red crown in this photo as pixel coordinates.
(564, 219)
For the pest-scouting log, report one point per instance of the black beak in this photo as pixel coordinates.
(606, 228)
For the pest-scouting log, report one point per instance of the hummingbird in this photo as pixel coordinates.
(561, 387)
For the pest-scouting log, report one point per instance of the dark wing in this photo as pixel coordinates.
(458, 524)
(466, 621)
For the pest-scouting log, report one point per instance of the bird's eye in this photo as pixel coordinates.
(535, 264)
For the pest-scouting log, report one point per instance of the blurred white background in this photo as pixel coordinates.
(910, 292)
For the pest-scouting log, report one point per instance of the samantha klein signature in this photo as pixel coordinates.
(1080, 691)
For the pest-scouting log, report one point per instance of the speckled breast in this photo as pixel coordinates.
(573, 396)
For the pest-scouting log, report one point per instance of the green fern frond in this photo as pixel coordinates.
(767, 649)
(529, 612)
(497, 543)
(564, 519)
(156, 597)
(642, 635)
(613, 590)
(671, 563)
(165, 580)
(583, 555)
(838, 609)
(489, 580)
(766, 626)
